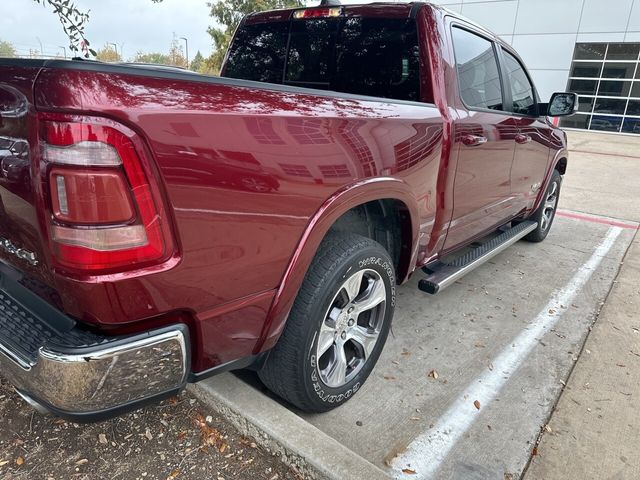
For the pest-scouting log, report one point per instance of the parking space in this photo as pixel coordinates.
(501, 342)
(469, 377)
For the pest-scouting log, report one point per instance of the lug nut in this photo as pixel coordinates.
(351, 322)
(350, 310)
(344, 335)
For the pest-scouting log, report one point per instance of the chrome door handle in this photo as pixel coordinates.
(473, 140)
(522, 139)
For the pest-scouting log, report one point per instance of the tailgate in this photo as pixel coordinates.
(22, 244)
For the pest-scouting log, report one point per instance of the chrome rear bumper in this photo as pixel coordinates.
(78, 374)
(93, 382)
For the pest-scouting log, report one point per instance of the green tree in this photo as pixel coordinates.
(197, 63)
(108, 54)
(176, 54)
(153, 57)
(228, 14)
(8, 50)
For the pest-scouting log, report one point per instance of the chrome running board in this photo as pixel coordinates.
(441, 275)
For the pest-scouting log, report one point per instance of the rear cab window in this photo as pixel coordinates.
(258, 52)
(371, 56)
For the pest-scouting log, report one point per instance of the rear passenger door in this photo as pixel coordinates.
(534, 133)
(484, 137)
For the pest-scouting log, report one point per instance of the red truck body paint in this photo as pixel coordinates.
(251, 177)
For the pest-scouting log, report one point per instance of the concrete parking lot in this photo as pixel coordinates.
(469, 379)
(505, 336)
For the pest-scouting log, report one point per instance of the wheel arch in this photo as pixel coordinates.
(388, 222)
(561, 165)
(386, 193)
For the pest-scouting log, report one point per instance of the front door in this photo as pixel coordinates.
(531, 159)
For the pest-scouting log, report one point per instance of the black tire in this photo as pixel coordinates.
(292, 370)
(545, 215)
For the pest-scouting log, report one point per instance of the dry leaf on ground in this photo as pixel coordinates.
(209, 436)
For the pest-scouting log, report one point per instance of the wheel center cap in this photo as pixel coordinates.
(343, 322)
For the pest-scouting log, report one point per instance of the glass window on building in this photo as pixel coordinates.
(606, 77)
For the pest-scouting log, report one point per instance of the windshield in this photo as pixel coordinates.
(367, 56)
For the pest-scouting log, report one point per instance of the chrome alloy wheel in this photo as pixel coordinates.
(550, 204)
(351, 327)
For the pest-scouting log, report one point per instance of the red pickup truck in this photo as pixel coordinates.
(159, 226)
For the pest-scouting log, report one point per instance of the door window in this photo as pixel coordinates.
(524, 100)
(478, 73)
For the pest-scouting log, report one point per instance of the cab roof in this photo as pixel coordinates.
(377, 9)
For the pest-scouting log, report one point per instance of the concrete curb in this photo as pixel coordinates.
(300, 444)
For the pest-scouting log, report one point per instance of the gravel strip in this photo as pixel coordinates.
(175, 439)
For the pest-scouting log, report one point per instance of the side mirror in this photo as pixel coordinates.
(562, 104)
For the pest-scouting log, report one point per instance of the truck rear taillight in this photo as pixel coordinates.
(91, 197)
(104, 213)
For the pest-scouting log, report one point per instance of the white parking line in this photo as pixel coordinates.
(426, 453)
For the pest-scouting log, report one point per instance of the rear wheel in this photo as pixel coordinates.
(337, 327)
(546, 212)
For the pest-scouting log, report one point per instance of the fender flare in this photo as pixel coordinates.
(560, 154)
(382, 188)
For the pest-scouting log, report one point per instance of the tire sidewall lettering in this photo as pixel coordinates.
(319, 388)
(387, 268)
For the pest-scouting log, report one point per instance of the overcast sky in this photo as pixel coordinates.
(132, 24)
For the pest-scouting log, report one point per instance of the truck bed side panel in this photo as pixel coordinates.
(245, 170)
